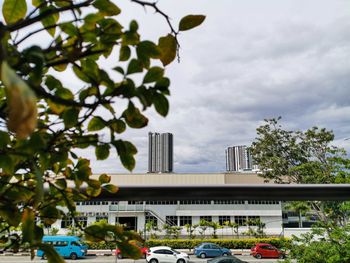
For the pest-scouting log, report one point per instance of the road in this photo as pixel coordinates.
(111, 259)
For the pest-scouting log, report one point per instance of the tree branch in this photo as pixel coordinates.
(26, 22)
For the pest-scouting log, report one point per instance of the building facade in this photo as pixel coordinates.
(160, 152)
(135, 215)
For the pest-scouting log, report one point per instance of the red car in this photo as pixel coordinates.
(262, 250)
(142, 248)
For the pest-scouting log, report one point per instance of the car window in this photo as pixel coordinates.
(175, 251)
(263, 247)
(215, 246)
(159, 251)
(168, 252)
(73, 243)
(270, 248)
(206, 246)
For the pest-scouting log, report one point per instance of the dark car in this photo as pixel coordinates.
(227, 259)
(210, 250)
(262, 250)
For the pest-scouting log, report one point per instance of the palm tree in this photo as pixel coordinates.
(300, 207)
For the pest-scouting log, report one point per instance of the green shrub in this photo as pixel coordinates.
(191, 243)
(227, 243)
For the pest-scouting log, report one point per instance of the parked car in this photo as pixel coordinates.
(226, 259)
(66, 246)
(210, 250)
(141, 247)
(262, 250)
(163, 254)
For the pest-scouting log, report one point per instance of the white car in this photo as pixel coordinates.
(166, 255)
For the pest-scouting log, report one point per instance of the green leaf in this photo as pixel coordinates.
(124, 53)
(4, 139)
(118, 126)
(133, 26)
(134, 66)
(190, 21)
(104, 179)
(28, 225)
(161, 104)
(106, 7)
(148, 49)
(168, 47)
(130, 38)
(102, 151)
(111, 188)
(6, 164)
(153, 74)
(134, 118)
(81, 75)
(128, 161)
(92, 191)
(51, 253)
(94, 183)
(11, 215)
(96, 124)
(50, 20)
(69, 29)
(70, 117)
(119, 69)
(162, 84)
(14, 10)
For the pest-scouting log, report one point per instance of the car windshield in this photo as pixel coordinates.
(175, 251)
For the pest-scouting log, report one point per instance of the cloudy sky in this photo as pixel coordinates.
(248, 61)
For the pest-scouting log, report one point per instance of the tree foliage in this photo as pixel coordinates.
(308, 157)
(299, 156)
(44, 120)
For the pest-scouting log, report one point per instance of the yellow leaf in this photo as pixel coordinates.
(21, 102)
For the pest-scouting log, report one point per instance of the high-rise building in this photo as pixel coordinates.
(160, 152)
(238, 158)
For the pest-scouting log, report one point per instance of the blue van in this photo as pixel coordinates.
(66, 246)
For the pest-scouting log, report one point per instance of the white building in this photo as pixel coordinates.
(135, 214)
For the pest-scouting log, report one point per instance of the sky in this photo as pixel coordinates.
(248, 61)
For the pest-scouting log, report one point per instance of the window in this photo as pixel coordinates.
(73, 243)
(99, 218)
(171, 220)
(240, 220)
(82, 220)
(150, 218)
(263, 202)
(163, 202)
(223, 219)
(229, 202)
(66, 222)
(206, 218)
(185, 220)
(195, 202)
(251, 220)
(135, 202)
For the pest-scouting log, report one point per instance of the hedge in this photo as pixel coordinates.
(227, 243)
(191, 243)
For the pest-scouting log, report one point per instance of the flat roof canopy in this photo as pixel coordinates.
(276, 192)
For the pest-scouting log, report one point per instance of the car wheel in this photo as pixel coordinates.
(280, 256)
(143, 256)
(120, 256)
(180, 261)
(225, 255)
(258, 256)
(153, 260)
(73, 256)
(203, 255)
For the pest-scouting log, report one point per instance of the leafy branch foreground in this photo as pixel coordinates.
(43, 120)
